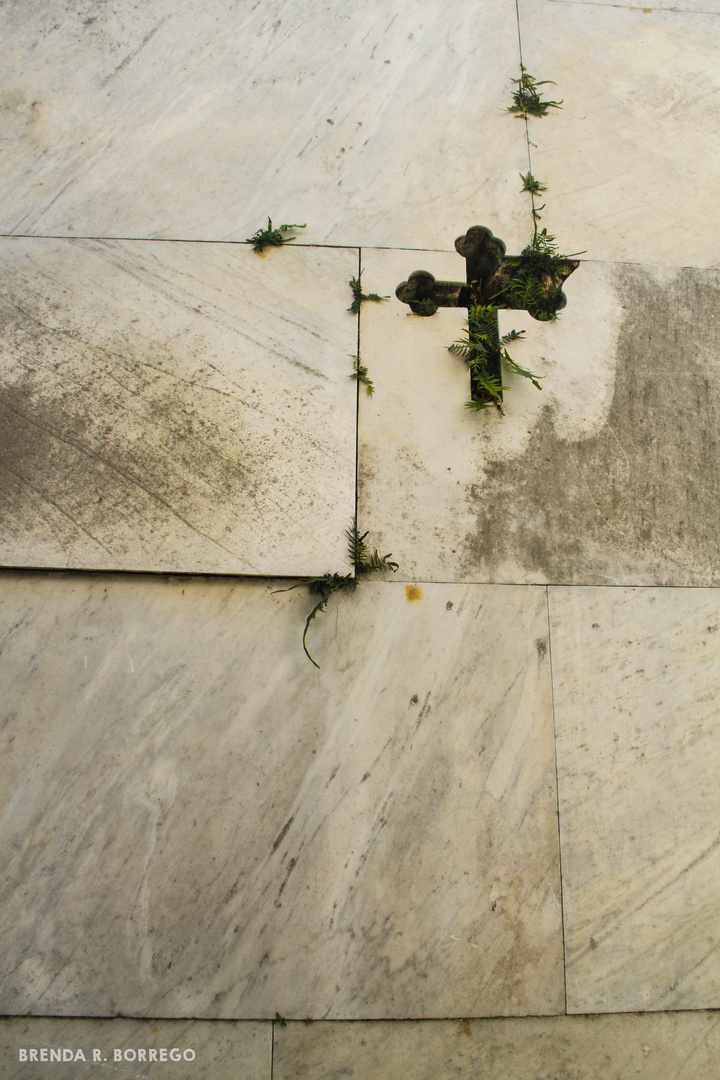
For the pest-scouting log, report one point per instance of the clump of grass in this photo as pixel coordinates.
(363, 562)
(526, 98)
(271, 237)
(360, 372)
(360, 297)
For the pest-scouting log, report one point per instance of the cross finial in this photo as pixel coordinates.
(528, 282)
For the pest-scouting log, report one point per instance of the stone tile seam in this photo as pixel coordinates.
(271, 1021)
(634, 7)
(557, 796)
(180, 575)
(335, 247)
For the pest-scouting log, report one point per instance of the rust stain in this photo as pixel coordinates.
(413, 593)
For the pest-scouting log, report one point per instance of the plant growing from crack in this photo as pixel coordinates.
(363, 563)
(531, 184)
(531, 281)
(271, 237)
(359, 297)
(360, 372)
(526, 98)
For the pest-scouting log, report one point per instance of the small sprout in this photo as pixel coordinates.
(532, 185)
(360, 373)
(280, 1020)
(527, 100)
(513, 335)
(271, 237)
(359, 296)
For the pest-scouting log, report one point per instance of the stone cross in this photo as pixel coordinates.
(493, 278)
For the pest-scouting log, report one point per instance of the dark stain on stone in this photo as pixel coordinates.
(127, 436)
(638, 501)
(541, 646)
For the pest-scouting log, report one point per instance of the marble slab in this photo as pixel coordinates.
(635, 681)
(372, 124)
(609, 475)
(200, 823)
(176, 407)
(669, 1046)
(708, 7)
(219, 1050)
(630, 161)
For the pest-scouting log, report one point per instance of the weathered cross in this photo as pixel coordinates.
(528, 282)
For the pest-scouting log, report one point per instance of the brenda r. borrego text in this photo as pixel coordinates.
(46, 1053)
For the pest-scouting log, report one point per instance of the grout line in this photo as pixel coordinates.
(272, 1048)
(527, 128)
(357, 400)
(634, 7)
(184, 575)
(194, 240)
(344, 247)
(557, 796)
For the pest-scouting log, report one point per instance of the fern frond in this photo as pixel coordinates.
(519, 370)
(378, 562)
(490, 384)
(513, 335)
(356, 545)
(360, 373)
(359, 296)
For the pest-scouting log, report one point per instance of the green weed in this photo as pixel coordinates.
(360, 297)
(531, 184)
(360, 372)
(527, 100)
(483, 351)
(271, 237)
(363, 562)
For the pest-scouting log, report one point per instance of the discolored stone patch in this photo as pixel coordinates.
(636, 502)
(165, 406)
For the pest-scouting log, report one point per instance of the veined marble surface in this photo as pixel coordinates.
(672, 1046)
(189, 120)
(708, 7)
(223, 1050)
(635, 682)
(176, 407)
(630, 161)
(609, 475)
(198, 822)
